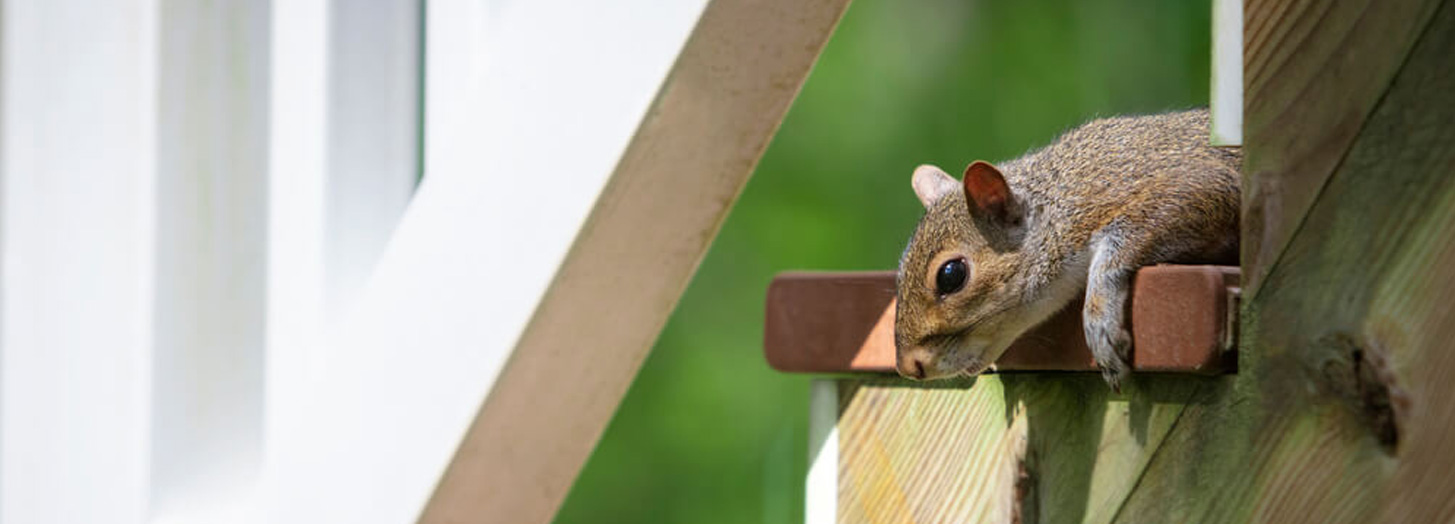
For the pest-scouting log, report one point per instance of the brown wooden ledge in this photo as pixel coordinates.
(844, 322)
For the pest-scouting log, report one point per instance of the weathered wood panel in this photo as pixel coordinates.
(1029, 448)
(1368, 283)
(1342, 409)
(1318, 67)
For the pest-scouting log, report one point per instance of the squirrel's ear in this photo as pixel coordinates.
(931, 183)
(986, 192)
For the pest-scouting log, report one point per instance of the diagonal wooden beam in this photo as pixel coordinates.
(1319, 66)
(722, 103)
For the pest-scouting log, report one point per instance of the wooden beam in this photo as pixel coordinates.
(725, 97)
(1341, 412)
(844, 322)
(1375, 345)
(1319, 67)
(1013, 448)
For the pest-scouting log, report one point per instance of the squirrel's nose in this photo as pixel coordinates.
(912, 367)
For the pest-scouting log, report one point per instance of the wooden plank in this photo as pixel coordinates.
(1341, 412)
(1318, 66)
(1012, 448)
(918, 456)
(844, 322)
(737, 75)
(1382, 229)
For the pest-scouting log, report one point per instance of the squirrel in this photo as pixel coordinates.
(1008, 246)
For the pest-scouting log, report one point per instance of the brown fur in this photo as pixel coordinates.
(1085, 212)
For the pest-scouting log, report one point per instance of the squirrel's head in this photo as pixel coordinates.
(955, 288)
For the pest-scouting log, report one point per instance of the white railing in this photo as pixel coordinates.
(223, 299)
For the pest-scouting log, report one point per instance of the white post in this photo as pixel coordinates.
(821, 499)
(1227, 73)
(296, 207)
(211, 234)
(76, 222)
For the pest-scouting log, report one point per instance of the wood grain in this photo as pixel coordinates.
(1048, 448)
(725, 97)
(1317, 66)
(1387, 221)
(844, 322)
(1341, 409)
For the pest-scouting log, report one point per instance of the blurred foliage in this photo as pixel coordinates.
(708, 433)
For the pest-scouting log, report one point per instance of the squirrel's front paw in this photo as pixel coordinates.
(1110, 345)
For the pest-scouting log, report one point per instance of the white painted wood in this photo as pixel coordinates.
(296, 202)
(373, 134)
(76, 222)
(528, 107)
(211, 230)
(1227, 73)
(296, 207)
(821, 498)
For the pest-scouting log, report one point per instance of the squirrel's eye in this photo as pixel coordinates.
(951, 276)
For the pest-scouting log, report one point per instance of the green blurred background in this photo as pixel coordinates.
(708, 433)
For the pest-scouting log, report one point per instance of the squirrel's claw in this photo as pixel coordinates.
(1110, 345)
(1114, 375)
